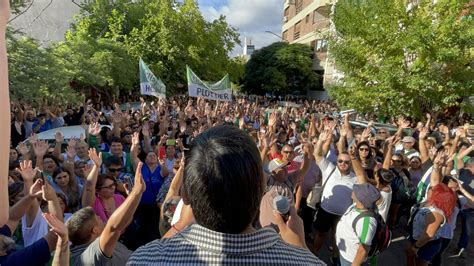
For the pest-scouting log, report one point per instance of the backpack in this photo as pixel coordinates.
(383, 235)
(402, 187)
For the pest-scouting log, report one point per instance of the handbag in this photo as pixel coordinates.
(315, 195)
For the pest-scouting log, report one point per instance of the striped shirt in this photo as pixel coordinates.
(197, 245)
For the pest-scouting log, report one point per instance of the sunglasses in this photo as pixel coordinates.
(363, 149)
(397, 161)
(114, 170)
(287, 152)
(344, 161)
(381, 132)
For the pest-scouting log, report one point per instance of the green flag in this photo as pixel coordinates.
(149, 84)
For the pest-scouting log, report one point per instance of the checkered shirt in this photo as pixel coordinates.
(197, 245)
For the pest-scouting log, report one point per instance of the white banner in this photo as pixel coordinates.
(219, 91)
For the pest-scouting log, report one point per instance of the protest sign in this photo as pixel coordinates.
(219, 91)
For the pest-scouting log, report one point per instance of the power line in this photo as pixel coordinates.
(22, 12)
(41, 12)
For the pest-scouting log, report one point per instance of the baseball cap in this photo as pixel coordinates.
(408, 139)
(367, 194)
(276, 164)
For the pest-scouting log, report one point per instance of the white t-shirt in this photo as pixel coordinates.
(38, 229)
(385, 205)
(337, 194)
(347, 239)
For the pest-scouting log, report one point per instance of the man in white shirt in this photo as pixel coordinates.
(339, 181)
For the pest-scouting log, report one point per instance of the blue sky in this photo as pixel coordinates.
(251, 18)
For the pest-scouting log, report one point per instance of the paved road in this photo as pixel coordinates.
(395, 254)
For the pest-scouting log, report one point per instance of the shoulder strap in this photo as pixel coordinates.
(360, 216)
(327, 179)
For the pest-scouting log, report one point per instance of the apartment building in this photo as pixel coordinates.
(305, 21)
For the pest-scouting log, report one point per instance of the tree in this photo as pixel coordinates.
(108, 39)
(402, 59)
(36, 76)
(281, 68)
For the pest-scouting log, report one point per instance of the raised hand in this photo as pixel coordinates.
(56, 226)
(403, 123)
(146, 130)
(140, 185)
(36, 189)
(26, 170)
(96, 158)
(94, 129)
(49, 194)
(23, 148)
(272, 119)
(163, 140)
(136, 138)
(59, 137)
(440, 159)
(308, 149)
(71, 152)
(366, 133)
(72, 143)
(41, 148)
(392, 141)
(423, 133)
(324, 136)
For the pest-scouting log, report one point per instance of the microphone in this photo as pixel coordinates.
(281, 204)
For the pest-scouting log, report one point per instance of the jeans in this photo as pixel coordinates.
(437, 258)
(344, 262)
(466, 221)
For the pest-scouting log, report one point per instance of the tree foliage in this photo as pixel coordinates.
(400, 58)
(109, 38)
(37, 76)
(281, 68)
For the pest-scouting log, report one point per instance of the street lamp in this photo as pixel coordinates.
(271, 32)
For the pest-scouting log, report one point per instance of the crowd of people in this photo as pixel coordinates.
(188, 180)
(255, 181)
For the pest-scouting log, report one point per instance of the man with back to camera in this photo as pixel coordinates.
(224, 184)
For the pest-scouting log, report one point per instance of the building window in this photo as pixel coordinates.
(297, 30)
(317, 16)
(321, 46)
(299, 6)
(307, 19)
(285, 35)
(287, 12)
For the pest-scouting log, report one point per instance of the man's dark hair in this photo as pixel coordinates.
(80, 226)
(116, 139)
(113, 160)
(223, 179)
(386, 176)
